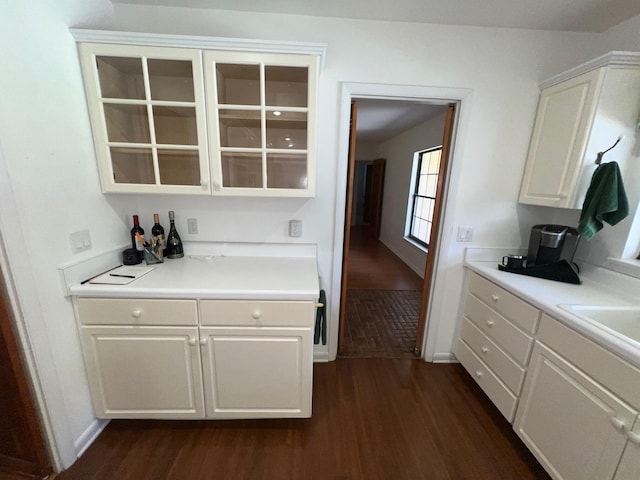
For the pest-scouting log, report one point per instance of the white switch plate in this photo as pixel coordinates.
(295, 228)
(465, 234)
(80, 241)
(192, 226)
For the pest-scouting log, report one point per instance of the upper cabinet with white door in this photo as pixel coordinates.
(216, 116)
(580, 113)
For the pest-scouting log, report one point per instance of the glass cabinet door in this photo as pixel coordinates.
(261, 113)
(147, 108)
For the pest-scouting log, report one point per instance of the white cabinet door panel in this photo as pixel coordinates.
(569, 422)
(144, 372)
(629, 468)
(257, 372)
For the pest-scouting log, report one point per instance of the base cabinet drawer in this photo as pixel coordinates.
(137, 311)
(499, 394)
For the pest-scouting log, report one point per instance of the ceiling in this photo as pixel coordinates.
(566, 15)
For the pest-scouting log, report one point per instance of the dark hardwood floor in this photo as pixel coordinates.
(374, 419)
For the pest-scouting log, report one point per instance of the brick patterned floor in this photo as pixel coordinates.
(381, 323)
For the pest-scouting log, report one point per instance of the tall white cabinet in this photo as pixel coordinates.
(580, 113)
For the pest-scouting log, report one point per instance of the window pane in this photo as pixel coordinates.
(240, 128)
(120, 77)
(127, 123)
(132, 165)
(175, 125)
(422, 185)
(179, 167)
(286, 170)
(427, 235)
(238, 84)
(286, 86)
(422, 227)
(171, 80)
(434, 162)
(242, 170)
(432, 182)
(287, 130)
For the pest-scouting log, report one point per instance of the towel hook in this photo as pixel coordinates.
(601, 154)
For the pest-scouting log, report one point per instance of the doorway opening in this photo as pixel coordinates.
(387, 265)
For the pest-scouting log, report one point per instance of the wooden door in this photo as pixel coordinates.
(375, 197)
(22, 448)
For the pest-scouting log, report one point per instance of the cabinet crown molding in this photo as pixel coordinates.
(199, 42)
(614, 58)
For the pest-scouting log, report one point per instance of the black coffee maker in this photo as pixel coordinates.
(550, 254)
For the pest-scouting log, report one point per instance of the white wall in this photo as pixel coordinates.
(48, 169)
(399, 154)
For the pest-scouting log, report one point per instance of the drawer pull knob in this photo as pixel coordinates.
(617, 423)
(137, 313)
(478, 373)
(256, 314)
(192, 341)
(495, 297)
(490, 323)
(485, 350)
(633, 437)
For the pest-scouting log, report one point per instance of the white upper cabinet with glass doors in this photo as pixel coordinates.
(261, 111)
(148, 117)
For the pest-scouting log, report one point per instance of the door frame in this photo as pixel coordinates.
(435, 95)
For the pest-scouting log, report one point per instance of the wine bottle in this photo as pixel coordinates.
(136, 228)
(157, 235)
(174, 244)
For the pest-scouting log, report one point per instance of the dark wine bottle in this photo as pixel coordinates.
(157, 233)
(136, 228)
(174, 244)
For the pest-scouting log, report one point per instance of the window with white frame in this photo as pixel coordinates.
(424, 183)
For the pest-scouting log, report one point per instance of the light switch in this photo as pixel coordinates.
(295, 228)
(192, 226)
(465, 234)
(80, 241)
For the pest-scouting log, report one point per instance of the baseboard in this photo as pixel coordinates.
(444, 358)
(89, 435)
(320, 357)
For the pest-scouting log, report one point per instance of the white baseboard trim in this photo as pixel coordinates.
(89, 435)
(401, 256)
(320, 357)
(444, 358)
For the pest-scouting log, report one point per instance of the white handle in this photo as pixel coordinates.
(485, 349)
(633, 437)
(137, 313)
(204, 184)
(495, 297)
(192, 341)
(617, 423)
(256, 314)
(489, 323)
(203, 341)
(478, 373)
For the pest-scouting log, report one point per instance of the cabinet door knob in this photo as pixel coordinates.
(137, 313)
(633, 437)
(485, 349)
(256, 314)
(204, 184)
(617, 423)
(489, 323)
(203, 341)
(192, 341)
(478, 373)
(495, 297)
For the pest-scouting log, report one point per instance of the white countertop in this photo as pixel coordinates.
(219, 277)
(599, 287)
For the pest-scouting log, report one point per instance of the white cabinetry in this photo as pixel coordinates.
(155, 358)
(578, 406)
(496, 340)
(629, 467)
(580, 113)
(150, 106)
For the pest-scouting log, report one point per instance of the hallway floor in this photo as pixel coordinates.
(383, 301)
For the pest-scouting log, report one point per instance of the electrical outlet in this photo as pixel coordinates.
(192, 226)
(80, 241)
(465, 234)
(295, 228)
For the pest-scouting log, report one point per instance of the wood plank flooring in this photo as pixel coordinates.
(374, 419)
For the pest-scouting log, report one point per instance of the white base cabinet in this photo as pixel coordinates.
(202, 359)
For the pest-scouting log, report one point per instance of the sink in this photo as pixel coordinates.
(622, 319)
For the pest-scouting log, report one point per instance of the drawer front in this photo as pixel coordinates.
(504, 367)
(134, 311)
(499, 394)
(518, 311)
(613, 372)
(257, 313)
(506, 335)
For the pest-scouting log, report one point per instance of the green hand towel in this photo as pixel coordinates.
(606, 200)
